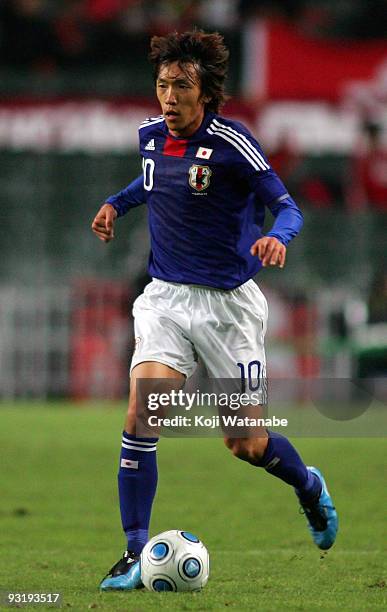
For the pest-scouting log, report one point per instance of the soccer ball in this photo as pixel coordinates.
(174, 561)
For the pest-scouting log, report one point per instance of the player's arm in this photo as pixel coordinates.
(255, 172)
(270, 192)
(115, 206)
(271, 249)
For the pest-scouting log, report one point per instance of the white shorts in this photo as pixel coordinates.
(175, 324)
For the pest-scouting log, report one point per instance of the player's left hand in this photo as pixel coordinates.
(270, 251)
(103, 224)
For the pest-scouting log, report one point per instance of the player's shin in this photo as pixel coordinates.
(282, 460)
(137, 482)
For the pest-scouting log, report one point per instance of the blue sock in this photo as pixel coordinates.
(282, 460)
(137, 482)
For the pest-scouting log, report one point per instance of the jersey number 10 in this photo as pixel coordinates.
(253, 375)
(148, 166)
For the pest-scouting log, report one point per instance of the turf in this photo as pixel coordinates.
(60, 527)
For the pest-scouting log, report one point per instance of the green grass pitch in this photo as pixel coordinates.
(60, 526)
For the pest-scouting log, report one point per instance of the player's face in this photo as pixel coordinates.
(180, 97)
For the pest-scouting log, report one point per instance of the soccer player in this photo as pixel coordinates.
(206, 183)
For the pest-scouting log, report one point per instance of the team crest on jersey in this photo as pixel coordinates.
(199, 177)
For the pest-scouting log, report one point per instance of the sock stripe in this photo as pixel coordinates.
(138, 448)
(136, 534)
(131, 441)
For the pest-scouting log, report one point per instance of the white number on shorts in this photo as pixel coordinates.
(148, 166)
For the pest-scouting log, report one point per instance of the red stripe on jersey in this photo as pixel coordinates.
(175, 148)
(199, 179)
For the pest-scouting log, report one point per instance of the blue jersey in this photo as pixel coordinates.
(206, 198)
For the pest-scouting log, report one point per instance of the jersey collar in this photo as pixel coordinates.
(208, 117)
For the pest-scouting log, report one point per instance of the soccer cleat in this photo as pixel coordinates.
(125, 575)
(321, 515)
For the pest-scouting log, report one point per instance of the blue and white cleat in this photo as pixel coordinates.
(125, 575)
(321, 515)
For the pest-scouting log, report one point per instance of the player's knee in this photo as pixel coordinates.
(140, 397)
(131, 415)
(131, 423)
(238, 447)
(247, 449)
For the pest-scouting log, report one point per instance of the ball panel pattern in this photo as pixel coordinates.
(191, 567)
(190, 536)
(174, 561)
(162, 584)
(159, 551)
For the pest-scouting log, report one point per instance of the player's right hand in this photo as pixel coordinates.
(103, 224)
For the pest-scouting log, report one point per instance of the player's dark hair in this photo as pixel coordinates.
(206, 52)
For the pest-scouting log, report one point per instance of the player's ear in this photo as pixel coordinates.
(205, 99)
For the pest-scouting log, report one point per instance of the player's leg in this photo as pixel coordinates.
(137, 476)
(233, 345)
(278, 457)
(163, 355)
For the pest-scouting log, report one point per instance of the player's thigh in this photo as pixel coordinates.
(161, 327)
(232, 349)
(148, 377)
(231, 344)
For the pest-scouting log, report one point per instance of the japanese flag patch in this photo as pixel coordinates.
(204, 153)
(129, 463)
